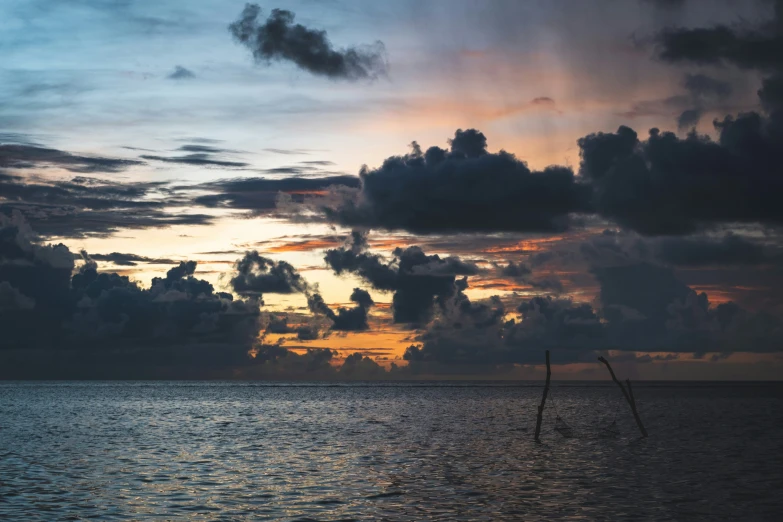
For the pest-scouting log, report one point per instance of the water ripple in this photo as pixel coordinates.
(238, 451)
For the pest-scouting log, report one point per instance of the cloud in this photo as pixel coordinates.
(700, 182)
(181, 73)
(25, 156)
(641, 308)
(91, 207)
(60, 320)
(688, 119)
(706, 94)
(731, 249)
(82, 192)
(204, 149)
(360, 366)
(746, 47)
(465, 188)
(667, 185)
(13, 299)
(703, 94)
(279, 39)
(129, 259)
(259, 194)
(728, 250)
(345, 319)
(704, 87)
(417, 280)
(756, 47)
(201, 159)
(523, 274)
(257, 275)
(98, 317)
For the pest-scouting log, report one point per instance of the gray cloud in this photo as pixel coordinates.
(129, 259)
(181, 73)
(91, 207)
(279, 39)
(257, 275)
(23, 156)
(260, 194)
(344, 319)
(201, 159)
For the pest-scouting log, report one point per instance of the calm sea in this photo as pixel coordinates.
(250, 451)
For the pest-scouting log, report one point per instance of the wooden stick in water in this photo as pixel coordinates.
(629, 398)
(543, 399)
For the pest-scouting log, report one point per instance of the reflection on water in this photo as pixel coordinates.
(235, 451)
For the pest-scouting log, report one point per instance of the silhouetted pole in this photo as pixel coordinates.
(543, 399)
(629, 398)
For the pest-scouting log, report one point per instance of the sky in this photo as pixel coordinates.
(340, 189)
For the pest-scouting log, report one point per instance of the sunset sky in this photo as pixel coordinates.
(590, 178)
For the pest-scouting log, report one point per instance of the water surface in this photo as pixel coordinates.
(237, 451)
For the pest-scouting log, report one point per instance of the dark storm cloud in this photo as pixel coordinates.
(22, 156)
(523, 274)
(464, 188)
(746, 47)
(706, 93)
(257, 275)
(659, 186)
(279, 324)
(642, 308)
(417, 280)
(758, 47)
(668, 185)
(345, 319)
(201, 159)
(13, 299)
(648, 309)
(97, 312)
(360, 366)
(63, 321)
(280, 39)
(706, 87)
(261, 193)
(703, 94)
(729, 250)
(515, 270)
(129, 259)
(688, 119)
(181, 73)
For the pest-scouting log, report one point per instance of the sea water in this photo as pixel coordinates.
(394, 451)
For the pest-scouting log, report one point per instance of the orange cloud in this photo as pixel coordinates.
(304, 246)
(526, 246)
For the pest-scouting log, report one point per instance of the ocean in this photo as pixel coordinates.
(390, 451)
